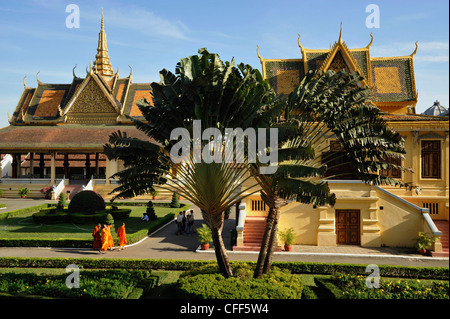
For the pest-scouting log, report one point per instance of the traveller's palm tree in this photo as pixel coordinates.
(220, 95)
(324, 105)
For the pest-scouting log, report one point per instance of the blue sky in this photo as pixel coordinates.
(152, 35)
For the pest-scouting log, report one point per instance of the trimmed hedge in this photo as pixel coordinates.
(278, 284)
(117, 284)
(86, 202)
(18, 212)
(438, 273)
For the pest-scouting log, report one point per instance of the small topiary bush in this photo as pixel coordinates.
(86, 202)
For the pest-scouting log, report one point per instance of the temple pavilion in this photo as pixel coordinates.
(57, 131)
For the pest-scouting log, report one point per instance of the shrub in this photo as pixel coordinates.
(175, 203)
(278, 284)
(354, 287)
(108, 219)
(86, 202)
(120, 213)
(50, 216)
(117, 284)
(151, 211)
(61, 201)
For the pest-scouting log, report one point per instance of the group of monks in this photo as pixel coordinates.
(103, 239)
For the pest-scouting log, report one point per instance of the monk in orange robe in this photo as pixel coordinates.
(105, 239)
(110, 238)
(122, 236)
(97, 237)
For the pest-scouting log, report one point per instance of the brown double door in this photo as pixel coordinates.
(348, 227)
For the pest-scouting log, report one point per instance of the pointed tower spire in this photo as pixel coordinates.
(101, 63)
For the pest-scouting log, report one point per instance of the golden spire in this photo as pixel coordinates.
(101, 64)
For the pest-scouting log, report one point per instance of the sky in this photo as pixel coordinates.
(154, 35)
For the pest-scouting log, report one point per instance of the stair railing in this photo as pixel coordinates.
(56, 190)
(240, 225)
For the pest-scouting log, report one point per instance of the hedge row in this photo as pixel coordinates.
(438, 273)
(18, 212)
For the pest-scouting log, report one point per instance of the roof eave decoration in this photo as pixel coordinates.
(341, 46)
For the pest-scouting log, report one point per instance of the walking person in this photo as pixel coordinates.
(192, 221)
(105, 239)
(121, 233)
(188, 224)
(180, 223)
(97, 237)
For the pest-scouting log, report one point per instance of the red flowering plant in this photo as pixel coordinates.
(47, 191)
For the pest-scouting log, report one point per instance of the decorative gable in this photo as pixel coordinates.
(92, 104)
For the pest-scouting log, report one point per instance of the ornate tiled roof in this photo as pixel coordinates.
(390, 78)
(99, 98)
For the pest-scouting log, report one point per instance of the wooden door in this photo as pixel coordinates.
(348, 227)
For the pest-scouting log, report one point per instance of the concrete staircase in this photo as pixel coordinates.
(254, 228)
(442, 225)
(73, 188)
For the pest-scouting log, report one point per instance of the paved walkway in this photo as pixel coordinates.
(165, 244)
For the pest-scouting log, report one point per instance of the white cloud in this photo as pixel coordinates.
(146, 22)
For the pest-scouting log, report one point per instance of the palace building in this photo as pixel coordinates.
(366, 215)
(57, 131)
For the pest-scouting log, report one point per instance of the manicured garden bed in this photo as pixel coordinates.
(115, 284)
(19, 229)
(200, 279)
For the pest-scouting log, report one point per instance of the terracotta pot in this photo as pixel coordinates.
(288, 247)
(154, 197)
(422, 251)
(204, 246)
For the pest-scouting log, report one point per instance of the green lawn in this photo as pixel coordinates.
(23, 226)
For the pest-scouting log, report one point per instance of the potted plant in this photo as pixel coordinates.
(23, 192)
(288, 237)
(154, 193)
(423, 242)
(204, 236)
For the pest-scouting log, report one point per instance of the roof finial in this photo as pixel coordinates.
(371, 41)
(37, 78)
(415, 51)
(73, 71)
(131, 71)
(299, 44)
(24, 84)
(101, 64)
(259, 55)
(340, 34)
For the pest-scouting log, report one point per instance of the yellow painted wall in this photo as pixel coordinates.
(304, 219)
(398, 222)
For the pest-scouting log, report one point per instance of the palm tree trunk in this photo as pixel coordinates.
(221, 254)
(272, 242)
(264, 245)
(215, 223)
